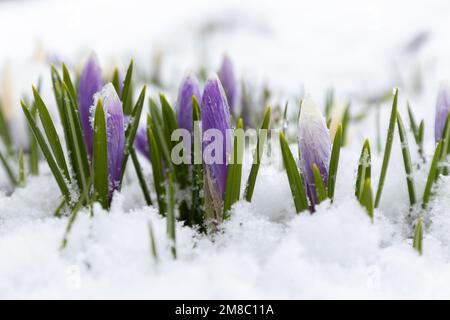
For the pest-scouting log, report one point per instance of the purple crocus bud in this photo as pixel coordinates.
(188, 88)
(226, 76)
(115, 133)
(314, 146)
(141, 142)
(215, 121)
(90, 83)
(442, 110)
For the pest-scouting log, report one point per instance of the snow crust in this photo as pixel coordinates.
(265, 250)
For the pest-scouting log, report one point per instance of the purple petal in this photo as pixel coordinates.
(115, 132)
(442, 110)
(141, 142)
(216, 115)
(90, 83)
(314, 146)
(226, 76)
(189, 88)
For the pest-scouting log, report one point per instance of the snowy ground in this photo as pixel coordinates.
(265, 250)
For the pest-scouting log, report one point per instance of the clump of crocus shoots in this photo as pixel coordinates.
(314, 147)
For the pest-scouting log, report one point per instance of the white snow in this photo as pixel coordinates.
(265, 250)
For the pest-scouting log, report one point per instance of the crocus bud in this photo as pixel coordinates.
(226, 75)
(215, 115)
(314, 146)
(141, 142)
(90, 83)
(188, 88)
(442, 110)
(115, 133)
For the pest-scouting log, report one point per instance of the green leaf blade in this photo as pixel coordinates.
(418, 237)
(432, 174)
(234, 176)
(364, 168)
(100, 158)
(387, 149)
(51, 133)
(155, 159)
(406, 160)
(295, 180)
(334, 162)
(262, 137)
(321, 192)
(47, 154)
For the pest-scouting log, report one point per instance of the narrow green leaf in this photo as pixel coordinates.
(171, 215)
(420, 139)
(5, 132)
(116, 81)
(334, 162)
(170, 124)
(196, 215)
(155, 159)
(160, 136)
(132, 128)
(34, 148)
(73, 216)
(364, 169)
(345, 124)
(321, 192)
(432, 174)
(78, 154)
(153, 247)
(387, 149)
(295, 180)
(59, 209)
(168, 117)
(100, 157)
(412, 121)
(59, 98)
(47, 153)
(51, 133)
(233, 185)
(21, 181)
(445, 148)
(285, 118)
(140, 176)
(418, 236)
(366, 199)
(262, 137)
(406, 160)
(329, 101)
(126, 91)
(9, 171)
(69, 84)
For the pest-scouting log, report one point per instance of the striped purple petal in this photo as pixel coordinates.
(90, 83)
(188, 88)
(442, 110)
(314, 146)
(216, 115)
(115, 132)
(226, 75)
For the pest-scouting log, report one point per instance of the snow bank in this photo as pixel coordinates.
(265, 250)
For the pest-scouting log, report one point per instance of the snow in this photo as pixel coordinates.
(265, 250)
